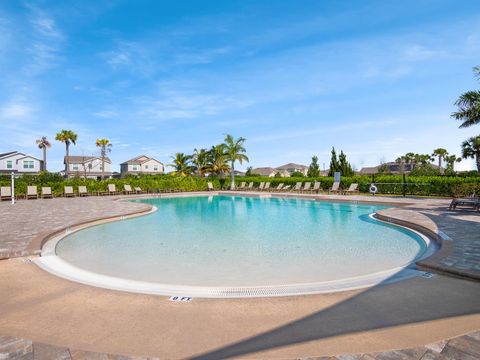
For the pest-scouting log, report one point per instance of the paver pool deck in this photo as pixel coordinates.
(76, 320)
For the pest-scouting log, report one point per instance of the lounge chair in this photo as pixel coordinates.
(260, 187)
(335, 188)
(210, 186)
(68, 191)
(241, 186)
(266, 187)
(32, 192)
(112, 189)
(127, 189)
(82, 191)
(138, 190)
(472, 201)
(298, 186)
(250, 186)
(5, 193)
(47, 193)
(352, 189)
(307, 186)
(316, 187)
(279, 187)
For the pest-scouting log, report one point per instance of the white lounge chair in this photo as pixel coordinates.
(210, 186)
(266, 187)
(5, 193)
(138, 190)
(127, 189)
(112, 189)
(335, 188)
(68, 191)
(47, 192)
(279, 187)
(260, 187)
(316, 187)
(82, 191)
(307, 186)
(298, 186)
(242, 186)
(353, 188)
(32, 192)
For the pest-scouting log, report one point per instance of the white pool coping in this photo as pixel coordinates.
(53, 264)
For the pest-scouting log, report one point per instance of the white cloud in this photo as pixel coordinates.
(15, 110)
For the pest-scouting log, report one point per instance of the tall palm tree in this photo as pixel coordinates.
(441, 154)
(105, 147)
(43, 144)
(181, 164)
(234, 151)
(217, 163)
(68, 137)
(471, 149)
(468, 105)
(200, 159)
(401, 162)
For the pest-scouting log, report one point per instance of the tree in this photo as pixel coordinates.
(441, 154)
(450, 160)
(401, 162)
(468, 105)
(217, 163)
(200, 159)
(344, 166)
(297, 174)
(181, 164)
(68, 137)
(234, 151)
(471, 149)
(43, 144)
(249, 171)
(105, 147)
(314, 168)
(334, 166)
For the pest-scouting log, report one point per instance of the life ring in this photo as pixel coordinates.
(373, 189)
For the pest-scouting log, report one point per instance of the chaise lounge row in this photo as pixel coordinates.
(307, 187)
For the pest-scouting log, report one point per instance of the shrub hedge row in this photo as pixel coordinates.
(387, 184)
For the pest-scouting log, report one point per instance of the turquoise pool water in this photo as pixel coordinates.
(242, 241)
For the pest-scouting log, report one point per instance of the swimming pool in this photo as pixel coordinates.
(227, 242)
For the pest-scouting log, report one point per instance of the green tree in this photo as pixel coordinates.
(471, 149)
(217, 163)
(67, 137)
(334, 166)
(249, 171)
(105, 147)
(297, 174)
(234, 151)
(441, 154)
(181, 164)
(314, 168)
(401, 163)
(468, 105)
(344, 166)
(44, 144)
(200, 160)
(450, 160)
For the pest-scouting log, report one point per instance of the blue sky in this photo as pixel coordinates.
(374, 78)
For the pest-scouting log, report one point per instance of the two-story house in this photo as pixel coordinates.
(290, 168)
(88, 167)
(19, 163)
(141, 165)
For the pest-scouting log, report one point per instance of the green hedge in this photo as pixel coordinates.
(387, 184)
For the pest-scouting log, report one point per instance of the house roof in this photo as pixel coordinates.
(28, 156)
(8, 154)
(83, 159)
(291, 166)
(263, 171)
(140, 160)
(18, 153)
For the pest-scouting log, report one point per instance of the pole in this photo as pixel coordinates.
(13, 188)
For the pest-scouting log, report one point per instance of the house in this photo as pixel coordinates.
(264, 171)
(141, 165)
(88, 167)
(290, 168)
(389, 168)
(19, 163)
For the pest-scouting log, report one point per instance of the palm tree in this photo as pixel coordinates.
(234, 151)
(181, 164)
(43, 144)
(468, 105)
(441, 154)
(217, 163)
(401, 162)
(200, 158)
(471, 149)
(105, 147)
(68, 137)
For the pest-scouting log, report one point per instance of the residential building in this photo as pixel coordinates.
(390, 168)
(19, 163)
(141, 165)
(264, 171)
(290, 168)
(89, 167)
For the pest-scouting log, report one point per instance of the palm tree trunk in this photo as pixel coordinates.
(232, 175)
(478, 161)
(67, 162)
(44, 158)
(103, 167)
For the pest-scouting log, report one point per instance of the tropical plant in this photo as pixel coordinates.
(249, 171)
(401, 163)
(314, 168)
(181, 164)
(296, 174)
(468, 105)
(450, 160)
(105, 147)
(471, 149)
(234, 151)
(217, 163)
(43, 144)
(200, 160)
(67, 137)
(441, 154)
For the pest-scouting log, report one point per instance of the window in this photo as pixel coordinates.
(9, 164)
(75, 166)
(90, 166)
(134, 167)
(146, 166)
(155, 167)
(27, 164)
